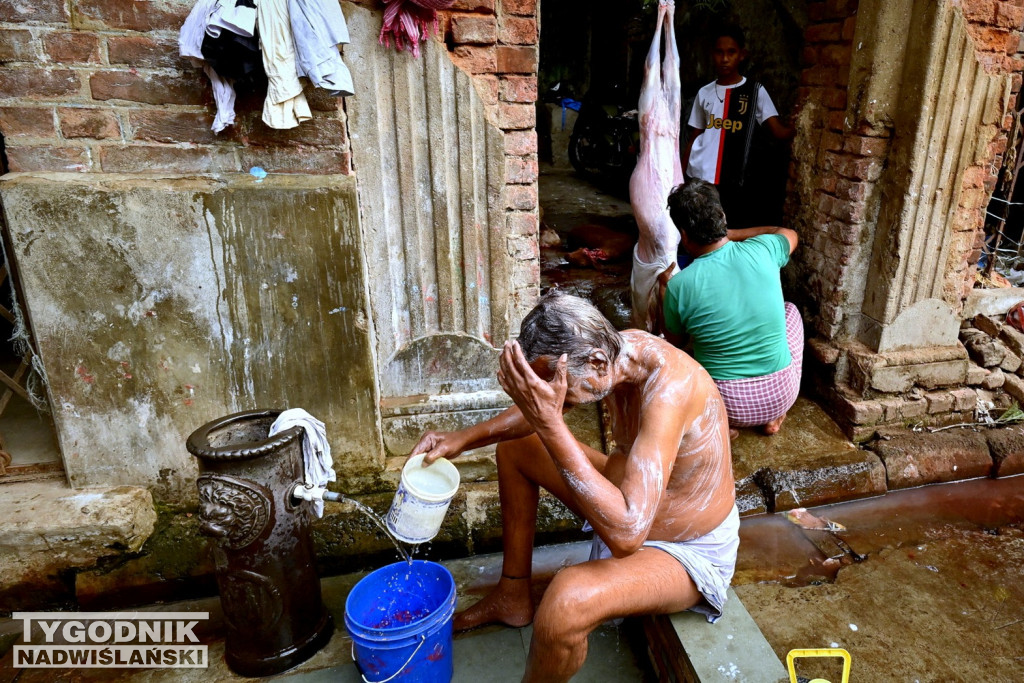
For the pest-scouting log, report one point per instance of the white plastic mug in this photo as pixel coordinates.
(422, 499)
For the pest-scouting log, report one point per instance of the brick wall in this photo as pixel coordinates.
(97, 86)
(497, 43)
(839, 171)
(995, 27)
(838, 174)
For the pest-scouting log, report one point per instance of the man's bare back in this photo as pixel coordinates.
(701, 489)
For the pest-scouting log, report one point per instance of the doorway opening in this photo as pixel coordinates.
(28, 441)
(592, 65)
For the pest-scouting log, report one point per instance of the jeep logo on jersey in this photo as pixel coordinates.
(729, 125)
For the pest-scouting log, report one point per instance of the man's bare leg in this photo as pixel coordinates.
(582, 597)
(523, 467)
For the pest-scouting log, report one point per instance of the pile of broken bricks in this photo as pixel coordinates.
(996, 349)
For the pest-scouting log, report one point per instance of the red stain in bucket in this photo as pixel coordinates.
(401, 618)
(437, 654)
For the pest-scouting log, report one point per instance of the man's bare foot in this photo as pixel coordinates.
(774, 426)
(509, 603)
(733, 433)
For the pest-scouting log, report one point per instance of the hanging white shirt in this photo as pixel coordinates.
(239, 19)
(285, 106)
(318, 27)
(190, 44)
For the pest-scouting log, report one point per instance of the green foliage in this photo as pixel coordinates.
(1011, 415)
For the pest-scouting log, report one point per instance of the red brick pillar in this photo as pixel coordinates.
(497, 42)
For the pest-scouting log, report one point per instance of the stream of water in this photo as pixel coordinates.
(366, 510)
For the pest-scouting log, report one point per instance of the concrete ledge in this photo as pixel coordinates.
(685, 647)
(825, 478)
(809, 462)
(992, 301)
(47, 528)
(913, 459)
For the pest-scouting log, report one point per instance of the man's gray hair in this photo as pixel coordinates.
(562, 323)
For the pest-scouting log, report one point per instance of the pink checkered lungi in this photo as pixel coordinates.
(755, 401)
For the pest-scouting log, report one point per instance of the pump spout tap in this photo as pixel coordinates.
(313, 493)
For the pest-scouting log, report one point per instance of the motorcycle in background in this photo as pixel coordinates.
(605, 141)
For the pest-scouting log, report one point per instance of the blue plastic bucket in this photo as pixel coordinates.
(400, 620)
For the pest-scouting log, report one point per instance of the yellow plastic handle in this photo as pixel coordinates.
(819, 652)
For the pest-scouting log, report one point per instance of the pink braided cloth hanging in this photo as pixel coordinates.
(410, 21)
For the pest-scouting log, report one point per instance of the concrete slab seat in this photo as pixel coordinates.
(685, 648)
(47, 528)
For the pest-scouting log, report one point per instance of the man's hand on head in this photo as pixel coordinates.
(540, 401)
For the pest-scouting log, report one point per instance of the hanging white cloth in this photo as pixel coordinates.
(190, 44)
(285, 106)
(318, 27)
(239, 19)
(316, 452)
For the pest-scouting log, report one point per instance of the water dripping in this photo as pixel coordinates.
(366, 510)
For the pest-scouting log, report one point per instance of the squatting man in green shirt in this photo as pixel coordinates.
(729, 302)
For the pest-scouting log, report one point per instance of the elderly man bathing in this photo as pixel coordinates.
(662, 504)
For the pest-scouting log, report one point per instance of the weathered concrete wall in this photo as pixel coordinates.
(96, 86)
(161, 303)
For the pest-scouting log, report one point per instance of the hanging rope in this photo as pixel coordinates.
(1011, 169)
(410, 22)
(21, 342)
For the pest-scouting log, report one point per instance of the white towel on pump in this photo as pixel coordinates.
(316, 452)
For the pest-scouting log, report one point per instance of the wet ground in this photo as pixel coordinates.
(938, 594)
(587, 238)
(923, 585)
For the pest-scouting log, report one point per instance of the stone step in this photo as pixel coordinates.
(809, 462)
(685, 647)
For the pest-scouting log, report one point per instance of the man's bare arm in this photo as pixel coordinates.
(503, 427)
(779, 130)
(622, 516)
(685, 157)
(746, 233)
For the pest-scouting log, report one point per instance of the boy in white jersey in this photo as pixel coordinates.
(722, 123)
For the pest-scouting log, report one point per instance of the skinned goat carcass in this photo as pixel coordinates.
(658, 170)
